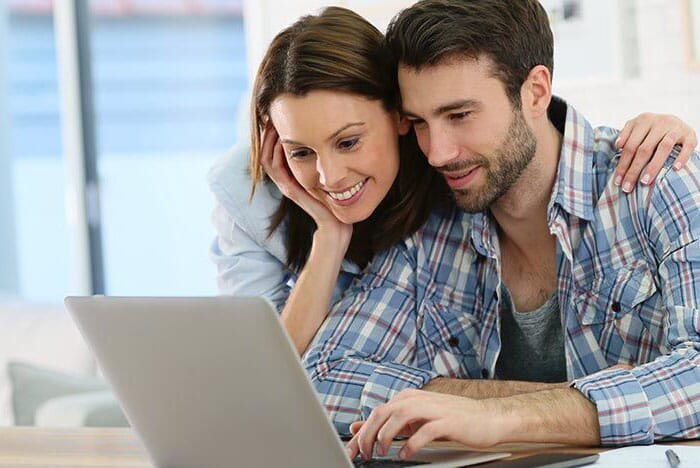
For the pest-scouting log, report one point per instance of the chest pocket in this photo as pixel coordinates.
(453, 337)
(615, 295)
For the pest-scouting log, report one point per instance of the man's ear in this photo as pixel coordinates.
(536, 92)
(404, 125)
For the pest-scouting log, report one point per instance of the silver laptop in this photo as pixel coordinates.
(215, 382)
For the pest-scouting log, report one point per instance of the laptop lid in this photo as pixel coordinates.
(216, 382)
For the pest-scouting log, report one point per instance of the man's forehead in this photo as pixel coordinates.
(452, 64)
(431, 85)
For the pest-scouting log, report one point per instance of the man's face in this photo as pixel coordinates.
(468, 128)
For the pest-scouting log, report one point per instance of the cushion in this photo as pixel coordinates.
(94, 409)
(43, 335)
(33, 386)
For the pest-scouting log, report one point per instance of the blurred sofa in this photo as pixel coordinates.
(48, 376)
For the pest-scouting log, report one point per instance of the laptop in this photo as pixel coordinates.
(216, 382)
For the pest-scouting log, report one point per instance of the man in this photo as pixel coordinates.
(549, 272)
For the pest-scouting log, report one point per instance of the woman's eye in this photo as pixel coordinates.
(300, 153)
(348, 144)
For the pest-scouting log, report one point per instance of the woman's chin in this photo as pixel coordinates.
(352, 215)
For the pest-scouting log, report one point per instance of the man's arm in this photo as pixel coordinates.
(660, 399)
(561, 415)
(480, 389)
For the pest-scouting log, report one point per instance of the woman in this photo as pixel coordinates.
(327, 130)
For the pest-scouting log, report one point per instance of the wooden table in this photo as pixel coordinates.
(30, 447)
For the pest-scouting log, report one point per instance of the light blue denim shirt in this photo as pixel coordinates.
(249, 262)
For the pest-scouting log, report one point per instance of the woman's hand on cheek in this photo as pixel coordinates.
(275, 164)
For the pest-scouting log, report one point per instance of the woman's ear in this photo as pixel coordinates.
(404, 125)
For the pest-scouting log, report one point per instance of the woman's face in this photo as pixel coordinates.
(342, 148)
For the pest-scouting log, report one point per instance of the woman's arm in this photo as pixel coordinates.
(244, 266)
(309, 302)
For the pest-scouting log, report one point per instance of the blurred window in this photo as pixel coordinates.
(33, 228)
(168, 77)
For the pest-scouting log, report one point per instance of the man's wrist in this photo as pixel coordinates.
(511, 420)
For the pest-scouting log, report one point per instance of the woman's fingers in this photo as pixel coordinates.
(690, 142)
(637, 134)
(644, 152)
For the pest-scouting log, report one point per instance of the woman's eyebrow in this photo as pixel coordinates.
(335, 134)
(344, 127)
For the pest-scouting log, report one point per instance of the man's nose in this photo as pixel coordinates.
(442, 149)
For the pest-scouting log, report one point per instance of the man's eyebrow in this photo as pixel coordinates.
(335, 134)
(455, 105)
(462, 103)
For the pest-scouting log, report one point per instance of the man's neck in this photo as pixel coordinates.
(522, 212)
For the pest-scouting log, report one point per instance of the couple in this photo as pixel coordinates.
(504, 285)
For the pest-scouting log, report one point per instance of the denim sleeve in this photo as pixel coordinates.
(244, 267)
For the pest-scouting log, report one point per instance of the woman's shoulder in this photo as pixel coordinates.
(230, 182)
(444, 229)
(446, 224)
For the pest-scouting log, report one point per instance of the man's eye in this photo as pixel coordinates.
(417, 122)
(348, 144)
(459, 115)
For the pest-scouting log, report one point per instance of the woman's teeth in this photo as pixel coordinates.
(348, 193)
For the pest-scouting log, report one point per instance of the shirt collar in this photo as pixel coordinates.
(573, 188)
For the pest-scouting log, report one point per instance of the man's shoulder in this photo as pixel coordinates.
(605, 153)
(679, 184)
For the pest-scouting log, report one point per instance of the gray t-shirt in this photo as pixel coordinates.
(532, 343)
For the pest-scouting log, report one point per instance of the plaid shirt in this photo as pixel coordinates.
(628, 286)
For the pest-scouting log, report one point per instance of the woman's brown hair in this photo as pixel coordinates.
(339, 50)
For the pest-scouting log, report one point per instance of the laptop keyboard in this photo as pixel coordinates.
(376, 463)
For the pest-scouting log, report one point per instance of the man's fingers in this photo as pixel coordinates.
(429, 432)
(352, 448)
(399, 422)
(355, 427)
(368, 433)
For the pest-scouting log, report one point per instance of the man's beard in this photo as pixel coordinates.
(509, 161)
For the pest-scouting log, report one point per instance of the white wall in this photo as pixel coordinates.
(265, 18)
(665, 83)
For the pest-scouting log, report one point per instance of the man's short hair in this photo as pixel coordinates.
(514, 34)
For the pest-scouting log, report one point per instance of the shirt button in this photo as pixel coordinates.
(615, 306)
(485, 373)
(453, 341)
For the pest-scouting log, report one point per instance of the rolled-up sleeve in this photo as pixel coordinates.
(365, 351)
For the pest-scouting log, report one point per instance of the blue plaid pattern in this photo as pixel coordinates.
(628, 285)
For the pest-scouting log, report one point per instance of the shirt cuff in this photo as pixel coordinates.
(389, 379)
(623, 408)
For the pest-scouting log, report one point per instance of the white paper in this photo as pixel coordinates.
(650, 456)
